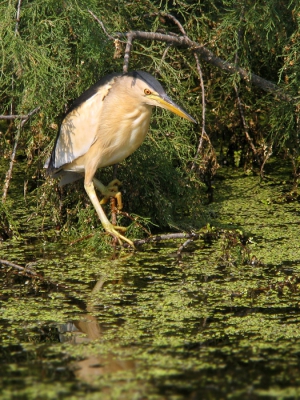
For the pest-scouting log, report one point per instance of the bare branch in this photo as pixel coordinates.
(128, 42)
(10, 117)
(23, 117)
(101, 24)
(240, 105)
(130, 38)
(165, 53)
(208, 56)
(18, 17)
(29, 115)
(185, 42)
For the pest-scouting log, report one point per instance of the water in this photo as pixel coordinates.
(220, 322)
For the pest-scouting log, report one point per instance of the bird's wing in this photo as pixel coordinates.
(78, 131)
(79, 128)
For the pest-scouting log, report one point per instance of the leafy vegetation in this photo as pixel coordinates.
(55, 50)
(215, 318)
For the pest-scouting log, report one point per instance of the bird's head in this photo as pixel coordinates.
(150, 92)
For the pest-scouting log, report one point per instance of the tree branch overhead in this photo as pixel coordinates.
(206, 55)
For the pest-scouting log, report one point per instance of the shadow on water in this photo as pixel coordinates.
(221, 322)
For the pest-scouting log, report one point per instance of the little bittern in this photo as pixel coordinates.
(103, 126)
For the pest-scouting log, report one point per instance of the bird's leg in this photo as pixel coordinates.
(110, 228)
(111, 190)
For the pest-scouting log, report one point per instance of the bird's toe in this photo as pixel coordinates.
(113, 230)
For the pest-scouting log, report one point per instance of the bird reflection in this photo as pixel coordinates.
(85, 330)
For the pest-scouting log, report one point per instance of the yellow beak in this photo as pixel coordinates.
(168, 104)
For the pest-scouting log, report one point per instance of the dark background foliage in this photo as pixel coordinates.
(56, 50)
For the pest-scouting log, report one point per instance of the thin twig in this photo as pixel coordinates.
(203, 132)
(101, 24)
(171, 17)
(244, 123)
(268, 151)
(11, 164)
(240, 105)
(29, 115)
(152, 239)
(176, 22)
(130, 38)
(134, 220)
(163, 57)
(18, 17)
(81, 239)
(13, 154)
(16, 33)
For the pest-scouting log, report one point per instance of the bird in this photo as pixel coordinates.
(102, 127)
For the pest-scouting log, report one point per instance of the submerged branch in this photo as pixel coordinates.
(151, 239)
(182, 247)
(27, 271)
(18, 267)
(168, 236)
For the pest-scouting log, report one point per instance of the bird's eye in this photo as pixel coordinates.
(147, 92)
